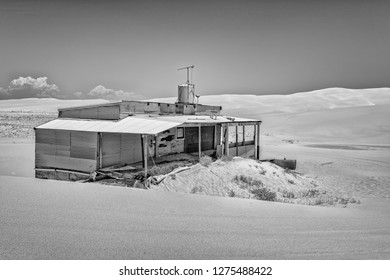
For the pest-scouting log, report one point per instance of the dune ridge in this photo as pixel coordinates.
(332, 114)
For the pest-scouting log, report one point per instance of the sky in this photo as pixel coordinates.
(132, 49)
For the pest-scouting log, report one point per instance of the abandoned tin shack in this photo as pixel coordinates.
(88, 138)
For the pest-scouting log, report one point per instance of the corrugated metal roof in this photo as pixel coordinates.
(130, 125)
(107, 104)
(141, 124)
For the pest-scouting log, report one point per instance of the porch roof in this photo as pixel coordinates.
(140, 124)
(130, 125)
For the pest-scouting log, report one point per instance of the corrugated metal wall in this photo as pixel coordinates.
(64, 149)
(121, 148)
(101, 112)
(134, 107)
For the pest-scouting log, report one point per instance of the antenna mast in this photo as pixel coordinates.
(188, 72)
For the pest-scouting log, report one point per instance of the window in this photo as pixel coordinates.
(180, 132)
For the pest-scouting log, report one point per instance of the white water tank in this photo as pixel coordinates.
(186, 93)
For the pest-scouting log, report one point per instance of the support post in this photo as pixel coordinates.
(200, 142)
(227, 140)
(258, 140)
(243, 138)
(155, 145)
(215, 143)
(145, 144)
(236, 140)
(255, 135)
(100, 149)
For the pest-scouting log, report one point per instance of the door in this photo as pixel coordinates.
(191, 140)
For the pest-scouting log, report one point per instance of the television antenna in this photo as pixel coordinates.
(188, 72)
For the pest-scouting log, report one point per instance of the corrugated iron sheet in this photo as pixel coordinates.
(131, 125)
(137, 124)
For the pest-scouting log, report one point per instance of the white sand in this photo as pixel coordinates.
(48, 105)
(61, 220)
(44, 219)
(359, 173)
(237, 177)
(17, 157)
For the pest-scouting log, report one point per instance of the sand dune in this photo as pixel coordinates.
(329, 98)
(334, 114)
(47, 105)
(43, 219)
(358, 171)
(362, 124)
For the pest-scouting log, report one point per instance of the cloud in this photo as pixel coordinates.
(101, 92)
(27, 87)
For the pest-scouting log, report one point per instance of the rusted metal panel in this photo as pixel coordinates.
(167, 143)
